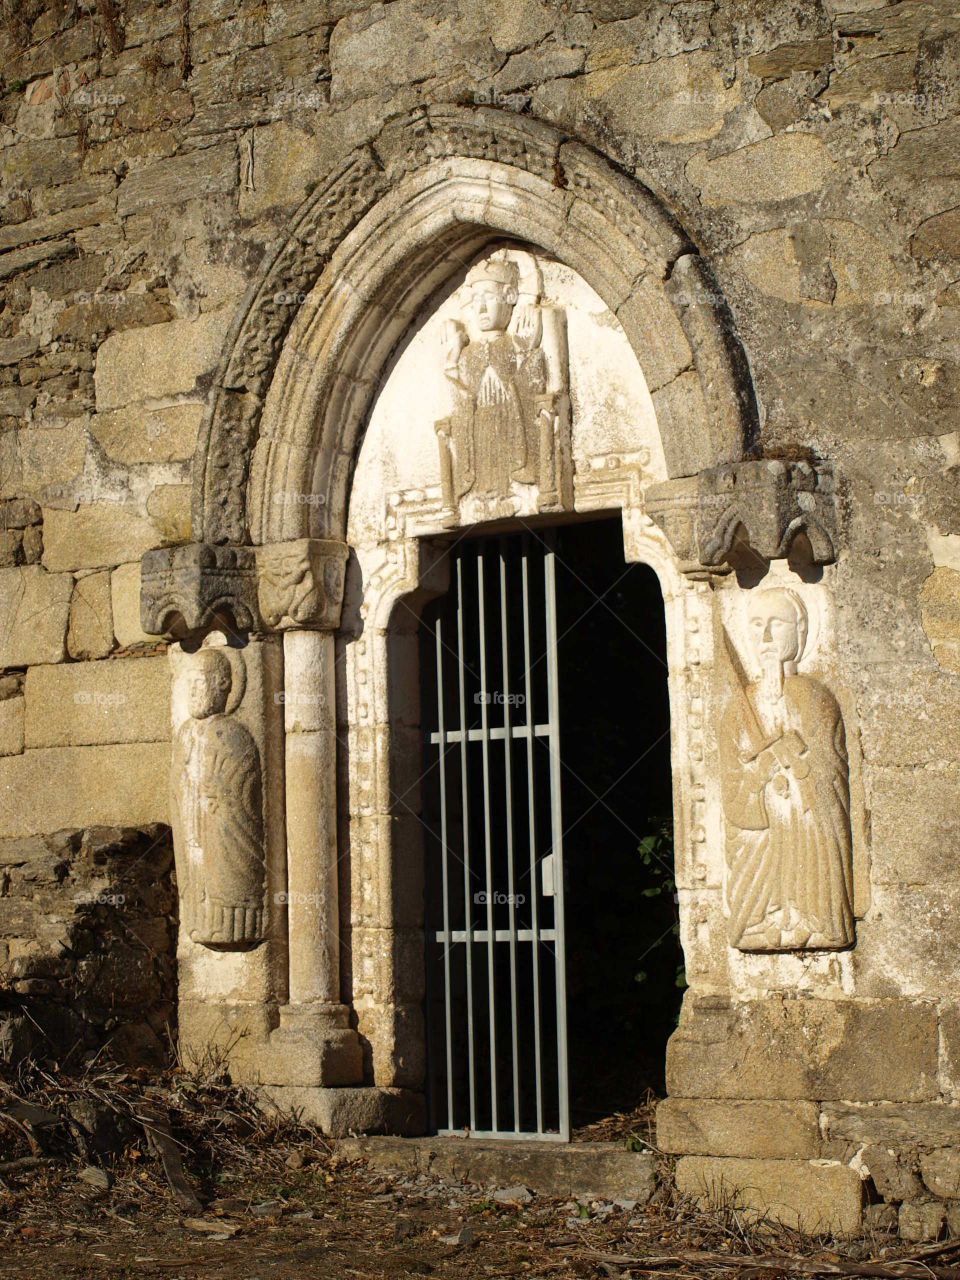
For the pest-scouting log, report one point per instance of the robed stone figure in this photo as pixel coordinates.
(217, 814)
(786, 794)
(509, 421)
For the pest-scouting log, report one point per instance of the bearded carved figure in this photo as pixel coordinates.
(786, 794)
(510, 424)
(217, 814)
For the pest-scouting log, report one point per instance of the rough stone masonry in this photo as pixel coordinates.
(715, 254)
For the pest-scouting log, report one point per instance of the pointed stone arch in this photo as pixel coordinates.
(369, 247)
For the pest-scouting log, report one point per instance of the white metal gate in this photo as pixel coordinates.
(496, 1002)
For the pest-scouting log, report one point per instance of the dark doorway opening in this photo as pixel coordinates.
(594, 765)
(623, 960)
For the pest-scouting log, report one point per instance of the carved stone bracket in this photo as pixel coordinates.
(764, 504)
(301, 583)
(198, 587)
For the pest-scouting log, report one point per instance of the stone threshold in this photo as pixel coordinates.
(601, 1170)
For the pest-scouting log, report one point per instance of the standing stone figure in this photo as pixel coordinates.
(217, 814)
(510, 421)
(786, 795)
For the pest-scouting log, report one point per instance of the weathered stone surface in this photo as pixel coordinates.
(93, 703)
(921, 1220)
(172, 181)
(138, 434)
(931, 1124)
(51, 457)
(813, 1196)
(90, 632)
(903, 852)
(940, 616)
(11, 726)
(95, 535)
(35, 608)
(941, 1172)
(88, 928)
(599, 1170)
(169, 508)
(702, 1126)
(161, 360)
(63, 787)
(342, 1112)
(796, 1048)
(780, 168)
(125, 606)
(681, 99)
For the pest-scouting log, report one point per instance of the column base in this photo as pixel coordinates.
(339, 1113)
(313, 1046)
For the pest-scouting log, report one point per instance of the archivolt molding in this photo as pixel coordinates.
(372, 244)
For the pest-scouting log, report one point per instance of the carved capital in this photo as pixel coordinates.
(198, 587)
(765, 504)
(301, 583)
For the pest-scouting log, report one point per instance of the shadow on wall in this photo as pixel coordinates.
(88, 941)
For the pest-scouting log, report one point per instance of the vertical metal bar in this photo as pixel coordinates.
(508, 780)
(447, 944)
(556, 832)
(488, 849)
(464, 784)
(532, 822)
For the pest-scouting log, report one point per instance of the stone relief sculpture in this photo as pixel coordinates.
(217, 812)
(786, 796)
(510, 425)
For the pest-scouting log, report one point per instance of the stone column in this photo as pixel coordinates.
(300, 593)
(309, 716)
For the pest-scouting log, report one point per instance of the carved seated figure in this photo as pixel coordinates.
(786, 798)
(507, 423)
(217, 814)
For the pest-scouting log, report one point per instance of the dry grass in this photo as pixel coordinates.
(111, 24)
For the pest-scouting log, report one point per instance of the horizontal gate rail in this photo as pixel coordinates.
(496, 733)
(500, 935)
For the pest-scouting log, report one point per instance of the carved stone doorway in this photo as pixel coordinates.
(565, 706)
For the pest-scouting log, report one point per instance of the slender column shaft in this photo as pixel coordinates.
(311, 793)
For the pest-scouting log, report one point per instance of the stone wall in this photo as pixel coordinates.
(151, 155)
(88, 946)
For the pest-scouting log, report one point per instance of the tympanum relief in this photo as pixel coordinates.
(505, 446)
(217, 810)
(785, 790)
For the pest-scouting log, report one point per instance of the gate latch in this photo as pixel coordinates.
(547, 873)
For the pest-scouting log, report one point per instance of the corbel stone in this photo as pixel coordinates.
(301, 583)
(198, 587)
(764, 503)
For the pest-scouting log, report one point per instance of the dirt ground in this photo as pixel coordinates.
(114, 1175)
